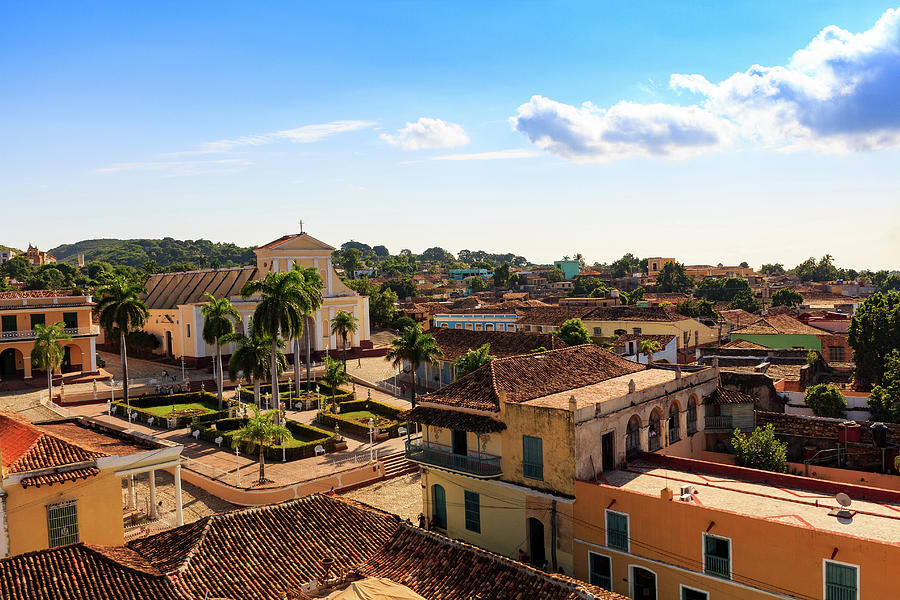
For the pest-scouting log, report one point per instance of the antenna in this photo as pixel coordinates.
(843, 499)
(301, 225)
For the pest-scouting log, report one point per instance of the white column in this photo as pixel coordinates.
(154, 513)
(329, 271)
(274, 265)
(355, 341)
(129, 502)
(179, 515)
(93, 360)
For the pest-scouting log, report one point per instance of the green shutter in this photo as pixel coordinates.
(601, 571)
(473, 511)
(617, 531)
(532, 457)
(840, 582)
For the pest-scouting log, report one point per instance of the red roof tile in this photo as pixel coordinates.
(778, 325)
(25, 447)
(456, 342)
(60, 477)
(453, 419)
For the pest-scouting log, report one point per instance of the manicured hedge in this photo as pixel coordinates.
(355, 427)
(141, 403)
(379, 408)
(299, 450)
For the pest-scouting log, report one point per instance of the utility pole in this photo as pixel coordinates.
(553, 535)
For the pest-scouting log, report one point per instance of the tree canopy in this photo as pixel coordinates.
(760, 450)
(884, 401)
(673, 278)
(786, 297)
(825, 401)
(573, 332)
(745, 300)
(718, 290)
(473, 359)
(874, 333)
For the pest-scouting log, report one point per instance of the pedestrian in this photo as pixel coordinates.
(331, 491)
(523, 556)
(422, 522)
(359, 362)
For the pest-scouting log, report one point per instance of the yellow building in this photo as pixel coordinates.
(502, 447)
(175, 300)
(21, 311)
(61, 481)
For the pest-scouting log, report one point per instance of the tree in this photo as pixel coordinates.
(874, 333)
(673, 278)
(825, 401)
(121, 310)
(48, 353)
(281, 310)
(477, 284)
(350, 260)
(472, 360)
(745, 300)
(260, 430)
(772, 269)
(585, 286)
(625, 266)
(219, 316)
(402, 322)
(633, 297)
(251, 357)
(573, 332)
(344, 325)
(415, 347)
(18, 268)
(649, 348)
(404, 288)
(786, 297)
(696, 308)
(744, 265)
(382, 303)
(501, 275)
(311, 286)
(555, 274)
(810, 270)
(884, 401)
(760, 450)
(721, 289)
(334, 376)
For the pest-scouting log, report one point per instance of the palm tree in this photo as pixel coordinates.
(280, 311)
(260, 430)
(472, 359)
(251, 356)
(121, 309)
(313, 286)
(344, 325)
(648, 348)
(334, 377)
(47, 352)
(219, 316)
(415, 347)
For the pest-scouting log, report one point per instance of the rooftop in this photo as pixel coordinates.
(25, 447)
(609, 389)
(168, 290)
(530, 376)
(778, 325)
(745, 492)
(456, 342)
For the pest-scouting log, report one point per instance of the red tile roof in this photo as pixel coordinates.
(25, 447)
(778, 325)
(723, 396)
(453, 419)
(60, 477)
(81, 572)
(456, 342)
(530, 376)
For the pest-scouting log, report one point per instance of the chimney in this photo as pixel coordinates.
(631, 386)
(677, 372)
(715, 362)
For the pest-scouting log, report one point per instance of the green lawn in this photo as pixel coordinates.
(362, 417)
(165, 410)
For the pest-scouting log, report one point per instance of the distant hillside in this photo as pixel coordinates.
(166, 252)
(16, 250)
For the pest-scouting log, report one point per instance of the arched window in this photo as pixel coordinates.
(633, 437)
(674, 423)
(654, 439)
(439, 497)
(692, 416)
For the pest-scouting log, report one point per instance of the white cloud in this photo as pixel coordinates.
(300, 135)
(173, 168)
(428, 133)
(839, 93)
(588, 133)
(495, 155)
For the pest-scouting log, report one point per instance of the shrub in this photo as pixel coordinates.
(760, 450)
(826, 401)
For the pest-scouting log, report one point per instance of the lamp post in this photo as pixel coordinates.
(182, 366)
(371, 438)
(237, 462)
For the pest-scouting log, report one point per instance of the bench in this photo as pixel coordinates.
(196, 434)
(320, 450)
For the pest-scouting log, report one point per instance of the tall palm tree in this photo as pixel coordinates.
(219, 316)
(313, 286)
(649, 348)
(415, 347)
(344, 325)
(280, 311)
(48, 353)
(334, 377)
(260, 430)
(121, 309)
(251, 356)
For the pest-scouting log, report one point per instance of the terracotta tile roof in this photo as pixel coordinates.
(25, 447)
(77, 431)
(778, 325)
(60, 477)
(553, 316)
(313, 242)
(453, 419)
(634, 313)
(509, 307)
(738, 316)
(531, 376)
(722, 396)
(744, 344)
(81, 572)
(456, 342)
(438, 568)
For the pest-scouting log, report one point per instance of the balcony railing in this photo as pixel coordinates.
(729, 423)
(439, 456)
(29, 334)
(836, 591)
(717, 566)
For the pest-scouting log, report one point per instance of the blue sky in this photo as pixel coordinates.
(460, 125)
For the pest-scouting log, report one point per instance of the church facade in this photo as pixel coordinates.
(175, 299)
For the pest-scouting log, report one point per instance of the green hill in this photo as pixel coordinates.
(166, 252)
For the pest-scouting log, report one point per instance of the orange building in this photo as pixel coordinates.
(21, 311)
(666, 527)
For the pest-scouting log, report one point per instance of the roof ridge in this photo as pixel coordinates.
(93, 549)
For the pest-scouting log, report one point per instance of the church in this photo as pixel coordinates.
(174, 301)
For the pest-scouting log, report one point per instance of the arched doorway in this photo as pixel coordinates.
(674, 423)
(654, 439)
(11, 364)
(439, 497)
(72, 359)
(633, 437)
(691, 416)
(536, 542)
(643, 583)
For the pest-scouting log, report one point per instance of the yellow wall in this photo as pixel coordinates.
(99, 512)
(698, 333)
(555, 427)
(668, 537)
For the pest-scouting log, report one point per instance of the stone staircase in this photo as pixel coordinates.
(396, 465)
